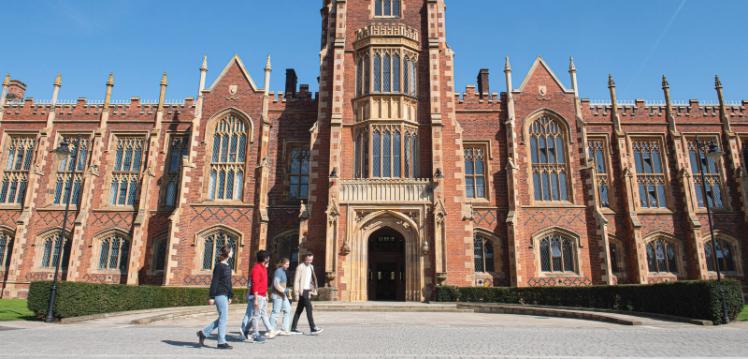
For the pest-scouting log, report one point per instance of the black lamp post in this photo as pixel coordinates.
(63, 151)
(714, 154)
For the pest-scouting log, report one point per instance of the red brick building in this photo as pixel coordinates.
(393, 179)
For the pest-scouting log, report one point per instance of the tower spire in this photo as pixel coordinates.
(268, 70)
(614, 103)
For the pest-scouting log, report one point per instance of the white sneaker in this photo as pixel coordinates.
(271, 334)
(284, 333)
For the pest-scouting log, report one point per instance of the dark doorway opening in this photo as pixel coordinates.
(386, 279)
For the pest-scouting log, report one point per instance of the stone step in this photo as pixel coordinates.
(388, 307)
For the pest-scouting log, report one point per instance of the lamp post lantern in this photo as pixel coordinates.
(715, 154)
(63, 151)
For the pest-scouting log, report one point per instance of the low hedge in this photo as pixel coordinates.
(75, 299)
(690, 299)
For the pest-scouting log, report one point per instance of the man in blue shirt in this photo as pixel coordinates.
(280, 299)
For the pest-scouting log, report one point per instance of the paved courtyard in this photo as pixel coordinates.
(373, 335)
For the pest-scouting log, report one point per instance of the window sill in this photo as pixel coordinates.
(11, 206)
(554, 205)
(560, 275)
(231, 203)
(116, 209)
(109, 272)
(654, 211)
(702, 210)
(58, 207)
(478, 201)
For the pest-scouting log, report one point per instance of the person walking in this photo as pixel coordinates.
(257, 301)
(305, 286)
(280, 299)
(220, 294)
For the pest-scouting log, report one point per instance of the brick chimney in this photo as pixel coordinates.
(291, 81)
(16, 90)
(483, 83)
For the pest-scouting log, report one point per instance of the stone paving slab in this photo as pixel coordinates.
(381, 335)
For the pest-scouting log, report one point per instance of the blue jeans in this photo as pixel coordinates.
(253, 317)
(281, 304)
(222, 306)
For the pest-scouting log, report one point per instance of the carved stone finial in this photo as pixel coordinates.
(164, 81)
(507, 65)
(717, 82)
(58, 80)
(6, 81)
(204, 65)
(572, 67)
(110, 80)
(611, 82)
(268, 66)
(665, 84)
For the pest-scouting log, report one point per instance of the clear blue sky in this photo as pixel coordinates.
(636, 40)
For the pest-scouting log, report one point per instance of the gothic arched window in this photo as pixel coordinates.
(483, 254)
(6, 248)
(69, 174)
(20, 152)
(725, 256)
(557, 254)
(212, 244)
(662, 256)
(128, 162)
(53, 245)
(712, 180)
(227, 161)
(650, 173)
(548, 154)
(113, 253)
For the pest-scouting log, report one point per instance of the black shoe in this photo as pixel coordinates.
(296, 332)
(224, 346)
(201, 338)
(316, 331)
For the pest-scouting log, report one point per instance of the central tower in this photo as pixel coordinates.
(386, 151)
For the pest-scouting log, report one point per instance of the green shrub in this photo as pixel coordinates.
(690, 299)
(76, 299)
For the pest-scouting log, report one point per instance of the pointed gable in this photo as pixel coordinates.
(540, 74)
(233, 70)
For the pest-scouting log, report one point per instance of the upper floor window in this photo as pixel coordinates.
(393, 152)
(113, 253)
(598, 153)
(6, 248)
(128, 164)
(298, 172)
(69, 173)
(212, 244)
(650, 173)
(709, 186)
(725, 254)
(387, 8)
(557, 254)
(475, 171)
(178, 148)
(393, 71)
(227, 162)
(54, 245)
(548, 154)
(483, 254)
(662, 256)
(20, 151)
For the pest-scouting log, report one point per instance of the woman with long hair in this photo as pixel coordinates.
(221, 293)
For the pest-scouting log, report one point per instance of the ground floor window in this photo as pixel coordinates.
(213, 242)
(483, 254)
(725, 256)
(113, 253)
(662, 256)
(557, 254)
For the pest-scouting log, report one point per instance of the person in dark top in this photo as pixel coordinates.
(221, 293)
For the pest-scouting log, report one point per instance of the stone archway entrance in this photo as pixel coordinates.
(386, 272)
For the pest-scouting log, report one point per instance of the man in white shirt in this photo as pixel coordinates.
(305, 286)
